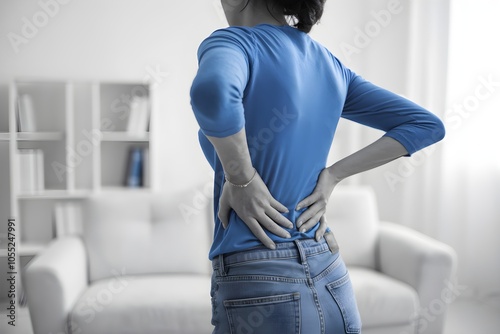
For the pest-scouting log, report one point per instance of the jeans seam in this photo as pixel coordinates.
(259, 278)
(242, 263)
(328, 270)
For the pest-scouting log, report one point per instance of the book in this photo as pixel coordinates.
(25, 114)
(134, 175)
(31, 171)
(67, 219)
(146, 178)
(138, 121)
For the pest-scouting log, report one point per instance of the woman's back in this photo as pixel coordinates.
(292, 92)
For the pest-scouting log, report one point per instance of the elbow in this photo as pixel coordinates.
(206, 101)
(210, 95)
(430, 132)
(204, 94)
(439, 131)
(433, 130)
(216, 106)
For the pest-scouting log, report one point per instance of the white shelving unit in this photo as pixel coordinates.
(81, 128)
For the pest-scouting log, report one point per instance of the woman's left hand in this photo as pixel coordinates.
(316, 204)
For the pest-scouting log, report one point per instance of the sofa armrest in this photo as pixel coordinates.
(425, 264)
(54, 280)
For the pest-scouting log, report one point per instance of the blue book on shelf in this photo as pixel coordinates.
(134, 170)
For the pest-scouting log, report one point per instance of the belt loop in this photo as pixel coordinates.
(303, 258)
(222, 269)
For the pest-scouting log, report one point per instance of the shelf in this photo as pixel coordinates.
(122, 189)
(25, 249)
(124, 136)
(81, 155)
(40, 136)
(57, 194)
(4, 136)
(30, 248)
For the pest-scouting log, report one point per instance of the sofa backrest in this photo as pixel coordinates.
(138, 232)
(353, 217)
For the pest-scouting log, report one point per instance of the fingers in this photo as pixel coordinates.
(270, 225)
(278, 206)
(309, 224)
(257, 230)
(278, 218)
(309, 200)
(320, 232)
(223, 214)
(314, 213)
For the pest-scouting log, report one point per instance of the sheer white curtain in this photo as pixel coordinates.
(444, 55)
(452, 191)
(470, 200)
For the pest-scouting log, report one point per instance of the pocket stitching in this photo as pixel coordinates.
(293, 298)
(334, 285)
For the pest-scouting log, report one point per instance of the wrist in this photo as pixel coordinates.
(242, 185)
(335, 174)
(241, 177)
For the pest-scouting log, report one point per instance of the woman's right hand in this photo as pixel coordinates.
(316, 203)
(258, 209)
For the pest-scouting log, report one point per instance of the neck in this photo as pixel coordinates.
(256, 12)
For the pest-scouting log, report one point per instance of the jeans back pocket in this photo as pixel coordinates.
(264, 315)
(341, 290)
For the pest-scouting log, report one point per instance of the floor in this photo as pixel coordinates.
(464, 317)
(473, 317)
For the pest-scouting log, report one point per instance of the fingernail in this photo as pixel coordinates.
(299, 223)
(303, 230)
(298, 207)
(288, 236)
(272, 246)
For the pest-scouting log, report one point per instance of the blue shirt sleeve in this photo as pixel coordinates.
(218, 88)
(401, 119)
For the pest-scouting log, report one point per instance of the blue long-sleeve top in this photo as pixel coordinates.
(288, 92)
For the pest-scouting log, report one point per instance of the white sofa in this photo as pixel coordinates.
(141, 266)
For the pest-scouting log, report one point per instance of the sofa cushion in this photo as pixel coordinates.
(353, 217)
(382, 300)
(140, 232)
(144, 304)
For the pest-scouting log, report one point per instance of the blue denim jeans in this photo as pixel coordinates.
(300, 287)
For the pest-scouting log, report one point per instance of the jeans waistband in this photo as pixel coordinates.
(300, 249)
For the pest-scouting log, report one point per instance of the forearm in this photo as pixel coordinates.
(235, 157)
(380, 152)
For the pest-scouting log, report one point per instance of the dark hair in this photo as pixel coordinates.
(304, 13)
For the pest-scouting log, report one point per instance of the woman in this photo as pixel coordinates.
(268, 99)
